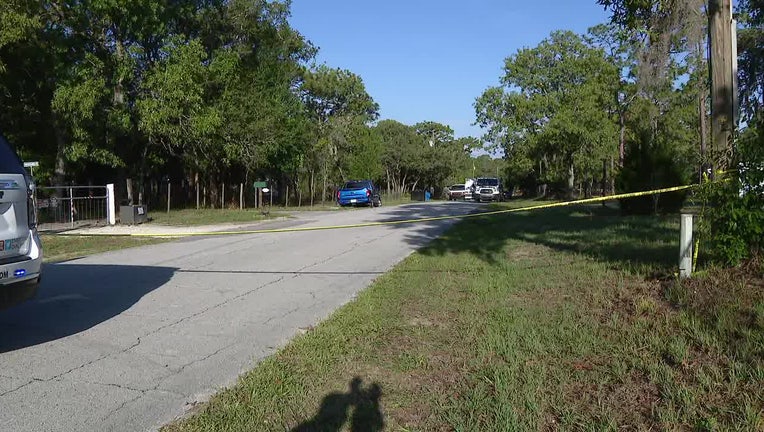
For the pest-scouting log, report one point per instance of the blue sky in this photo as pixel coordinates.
(429, 59)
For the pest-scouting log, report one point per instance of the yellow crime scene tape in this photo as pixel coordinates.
(393, 222)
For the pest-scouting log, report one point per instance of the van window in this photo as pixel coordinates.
(9, 161)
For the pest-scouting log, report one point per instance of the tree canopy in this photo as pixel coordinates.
(200, 93)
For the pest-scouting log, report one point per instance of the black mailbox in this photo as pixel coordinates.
(133, 214)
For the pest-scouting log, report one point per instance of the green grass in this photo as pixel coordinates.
(193, 217)
(61, 248)
(532, 321)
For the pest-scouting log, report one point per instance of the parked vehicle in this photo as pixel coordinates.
(481, 186)
(455, 192)
(20, 246)
(487, 194)
(359, 192)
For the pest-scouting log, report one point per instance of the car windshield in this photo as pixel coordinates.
(457, 187)
(488, 182)
(9, 162)
(356, 185)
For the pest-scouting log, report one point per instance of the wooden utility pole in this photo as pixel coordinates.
(722, 68)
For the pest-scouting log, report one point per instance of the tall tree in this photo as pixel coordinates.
(337, 102)
(552, 108)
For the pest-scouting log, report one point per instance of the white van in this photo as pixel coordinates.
(20, 246)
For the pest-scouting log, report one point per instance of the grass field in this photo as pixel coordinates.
(58, 248)
(194, 217)
(560, 319)
(546, 320)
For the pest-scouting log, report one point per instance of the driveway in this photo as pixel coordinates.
(130, 340)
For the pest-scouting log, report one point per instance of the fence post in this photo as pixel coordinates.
(241, 196)
(169, 185)
(71, 207)
(111, 217)
(685, 246)
(222, 196)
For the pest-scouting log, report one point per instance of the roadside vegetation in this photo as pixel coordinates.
(57, 248)
(211, 216)
(563, 318)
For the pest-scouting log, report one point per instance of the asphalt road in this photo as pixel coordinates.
(130, 340)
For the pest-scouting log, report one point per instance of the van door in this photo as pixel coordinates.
(14, 204)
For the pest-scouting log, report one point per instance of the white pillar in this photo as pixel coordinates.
(111, 209)
(685, 246)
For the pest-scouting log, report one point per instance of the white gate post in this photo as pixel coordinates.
(111, 215)
(685, 246)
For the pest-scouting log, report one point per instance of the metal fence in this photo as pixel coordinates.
(67, 207)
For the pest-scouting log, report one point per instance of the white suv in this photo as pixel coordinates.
(20, 246)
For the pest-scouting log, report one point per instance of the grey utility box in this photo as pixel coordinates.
(133, 214)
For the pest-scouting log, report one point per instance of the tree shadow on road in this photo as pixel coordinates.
(602, 233)
(75, 297)
(362, 404)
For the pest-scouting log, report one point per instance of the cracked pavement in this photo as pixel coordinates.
(130, 340)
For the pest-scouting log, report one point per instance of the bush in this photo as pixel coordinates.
(733, 216)
(649, 166)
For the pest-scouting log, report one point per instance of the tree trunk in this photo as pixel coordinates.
(196, 184)
(298, 188)
(213, 192)
(621, 138)
(323, 190)
(312, 186)
(571, 181)
(129, 187)
(612, 175)
(387, 180)
(59, 170)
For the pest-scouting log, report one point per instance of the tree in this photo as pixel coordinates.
(552, 110)
(751, 57)
(402, 157)
(337, 102)
(658, 31)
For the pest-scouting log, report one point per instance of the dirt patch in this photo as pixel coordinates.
(630, 403)
(528, 251)
(412, 415)
(742, 287)
(423, 322)
(633, 298)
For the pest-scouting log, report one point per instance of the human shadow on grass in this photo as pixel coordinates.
(599, 232)
(360, 404)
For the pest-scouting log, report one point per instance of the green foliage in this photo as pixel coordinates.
(651, 165)
(750, 46)
(18, 24)
(733, 217)
(365, 158)
(174, 111)
(551, 116)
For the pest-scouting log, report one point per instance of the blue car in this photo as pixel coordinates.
(359, 192)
